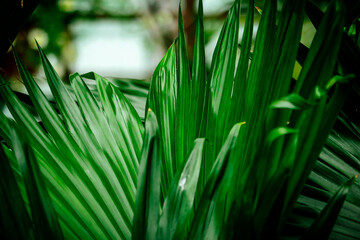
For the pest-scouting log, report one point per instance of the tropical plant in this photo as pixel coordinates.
(223, 154)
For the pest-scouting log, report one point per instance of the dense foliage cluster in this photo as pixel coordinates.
(224, 153)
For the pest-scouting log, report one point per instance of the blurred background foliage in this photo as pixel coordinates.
(115, 38)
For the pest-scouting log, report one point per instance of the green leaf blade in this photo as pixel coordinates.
(240, 81)
(221, 83)
(15, 220)
(162, 101)
(211, 212)
(147, 205)
(179, 204)
(184, 135)
(199, 83)
(42, 210)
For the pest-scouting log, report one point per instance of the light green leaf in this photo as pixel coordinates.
(292, 101)
(162, 100)
(339, 79)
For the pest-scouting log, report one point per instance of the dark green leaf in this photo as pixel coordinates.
(324, 223)
(199, 83)
(15, 221)
(209, 217)
(240, 81)
(46, 225)
(221, 84)
(183, 137)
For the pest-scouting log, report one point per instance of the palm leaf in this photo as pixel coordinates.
(98, 201)
(323, 224)
(42, 211)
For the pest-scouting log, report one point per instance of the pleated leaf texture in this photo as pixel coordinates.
(228, 152)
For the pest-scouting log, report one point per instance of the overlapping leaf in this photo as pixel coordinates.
(98, 199)
(147, 207)
(243, 184)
